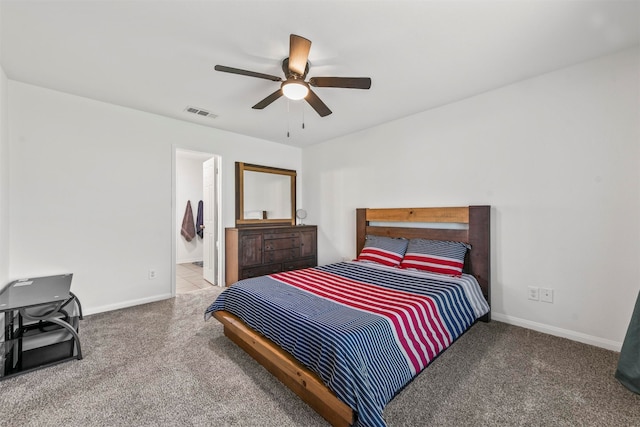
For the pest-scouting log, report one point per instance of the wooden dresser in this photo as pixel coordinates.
(256, 251)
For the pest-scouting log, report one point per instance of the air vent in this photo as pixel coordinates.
(200, 112)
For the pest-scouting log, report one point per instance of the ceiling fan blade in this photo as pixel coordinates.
(268, 100)
(317, 104)
(246, 73)
(298, 54)
(345, 82)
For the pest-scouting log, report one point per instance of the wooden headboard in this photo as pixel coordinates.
(477, 233)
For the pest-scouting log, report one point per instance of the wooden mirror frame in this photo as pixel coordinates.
(240, 220)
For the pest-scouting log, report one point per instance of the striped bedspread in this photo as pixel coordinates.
(365, 329)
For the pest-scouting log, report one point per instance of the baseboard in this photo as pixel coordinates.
(124, 304)
(558, 332)
(188, 261)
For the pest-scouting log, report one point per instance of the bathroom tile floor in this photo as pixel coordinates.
(189, 278)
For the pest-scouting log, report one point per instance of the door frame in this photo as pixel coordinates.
(174, 234)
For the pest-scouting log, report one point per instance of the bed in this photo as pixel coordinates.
(346, 337)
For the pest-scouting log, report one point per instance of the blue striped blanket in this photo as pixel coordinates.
(365, 329)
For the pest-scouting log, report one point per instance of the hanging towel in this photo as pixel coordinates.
(199, 225)
(188, 229)
(628, 372)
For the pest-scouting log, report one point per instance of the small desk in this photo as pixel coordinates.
(40, 334)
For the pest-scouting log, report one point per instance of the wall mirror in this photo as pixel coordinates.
(264, 195)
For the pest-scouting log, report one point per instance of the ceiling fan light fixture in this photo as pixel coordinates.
(295, 89)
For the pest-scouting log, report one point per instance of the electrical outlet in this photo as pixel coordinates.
(533, 293)
(152, 274)
(546, 295)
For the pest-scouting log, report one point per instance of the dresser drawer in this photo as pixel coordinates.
(287, 243)
(247, 273)
(282, 255)
(299, 264)
(282, 235)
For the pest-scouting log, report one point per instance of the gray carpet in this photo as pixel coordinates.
(161, 365)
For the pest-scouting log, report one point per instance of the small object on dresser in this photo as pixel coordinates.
(301, 214)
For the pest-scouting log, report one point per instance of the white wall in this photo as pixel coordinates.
(189, 187)
(91, 191)
(558, 158)
(4, 181)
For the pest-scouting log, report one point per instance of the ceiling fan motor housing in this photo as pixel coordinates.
(289, 73)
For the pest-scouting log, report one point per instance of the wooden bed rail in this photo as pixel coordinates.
(306, 384)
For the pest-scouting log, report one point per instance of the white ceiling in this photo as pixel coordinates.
(158, 56)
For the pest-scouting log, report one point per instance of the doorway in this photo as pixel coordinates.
(196, 203)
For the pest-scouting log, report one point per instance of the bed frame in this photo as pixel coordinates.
(306, 384)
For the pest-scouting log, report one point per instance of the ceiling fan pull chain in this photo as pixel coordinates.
(303, 116)
(288, 117)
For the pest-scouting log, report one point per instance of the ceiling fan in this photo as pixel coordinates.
(295, 69)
